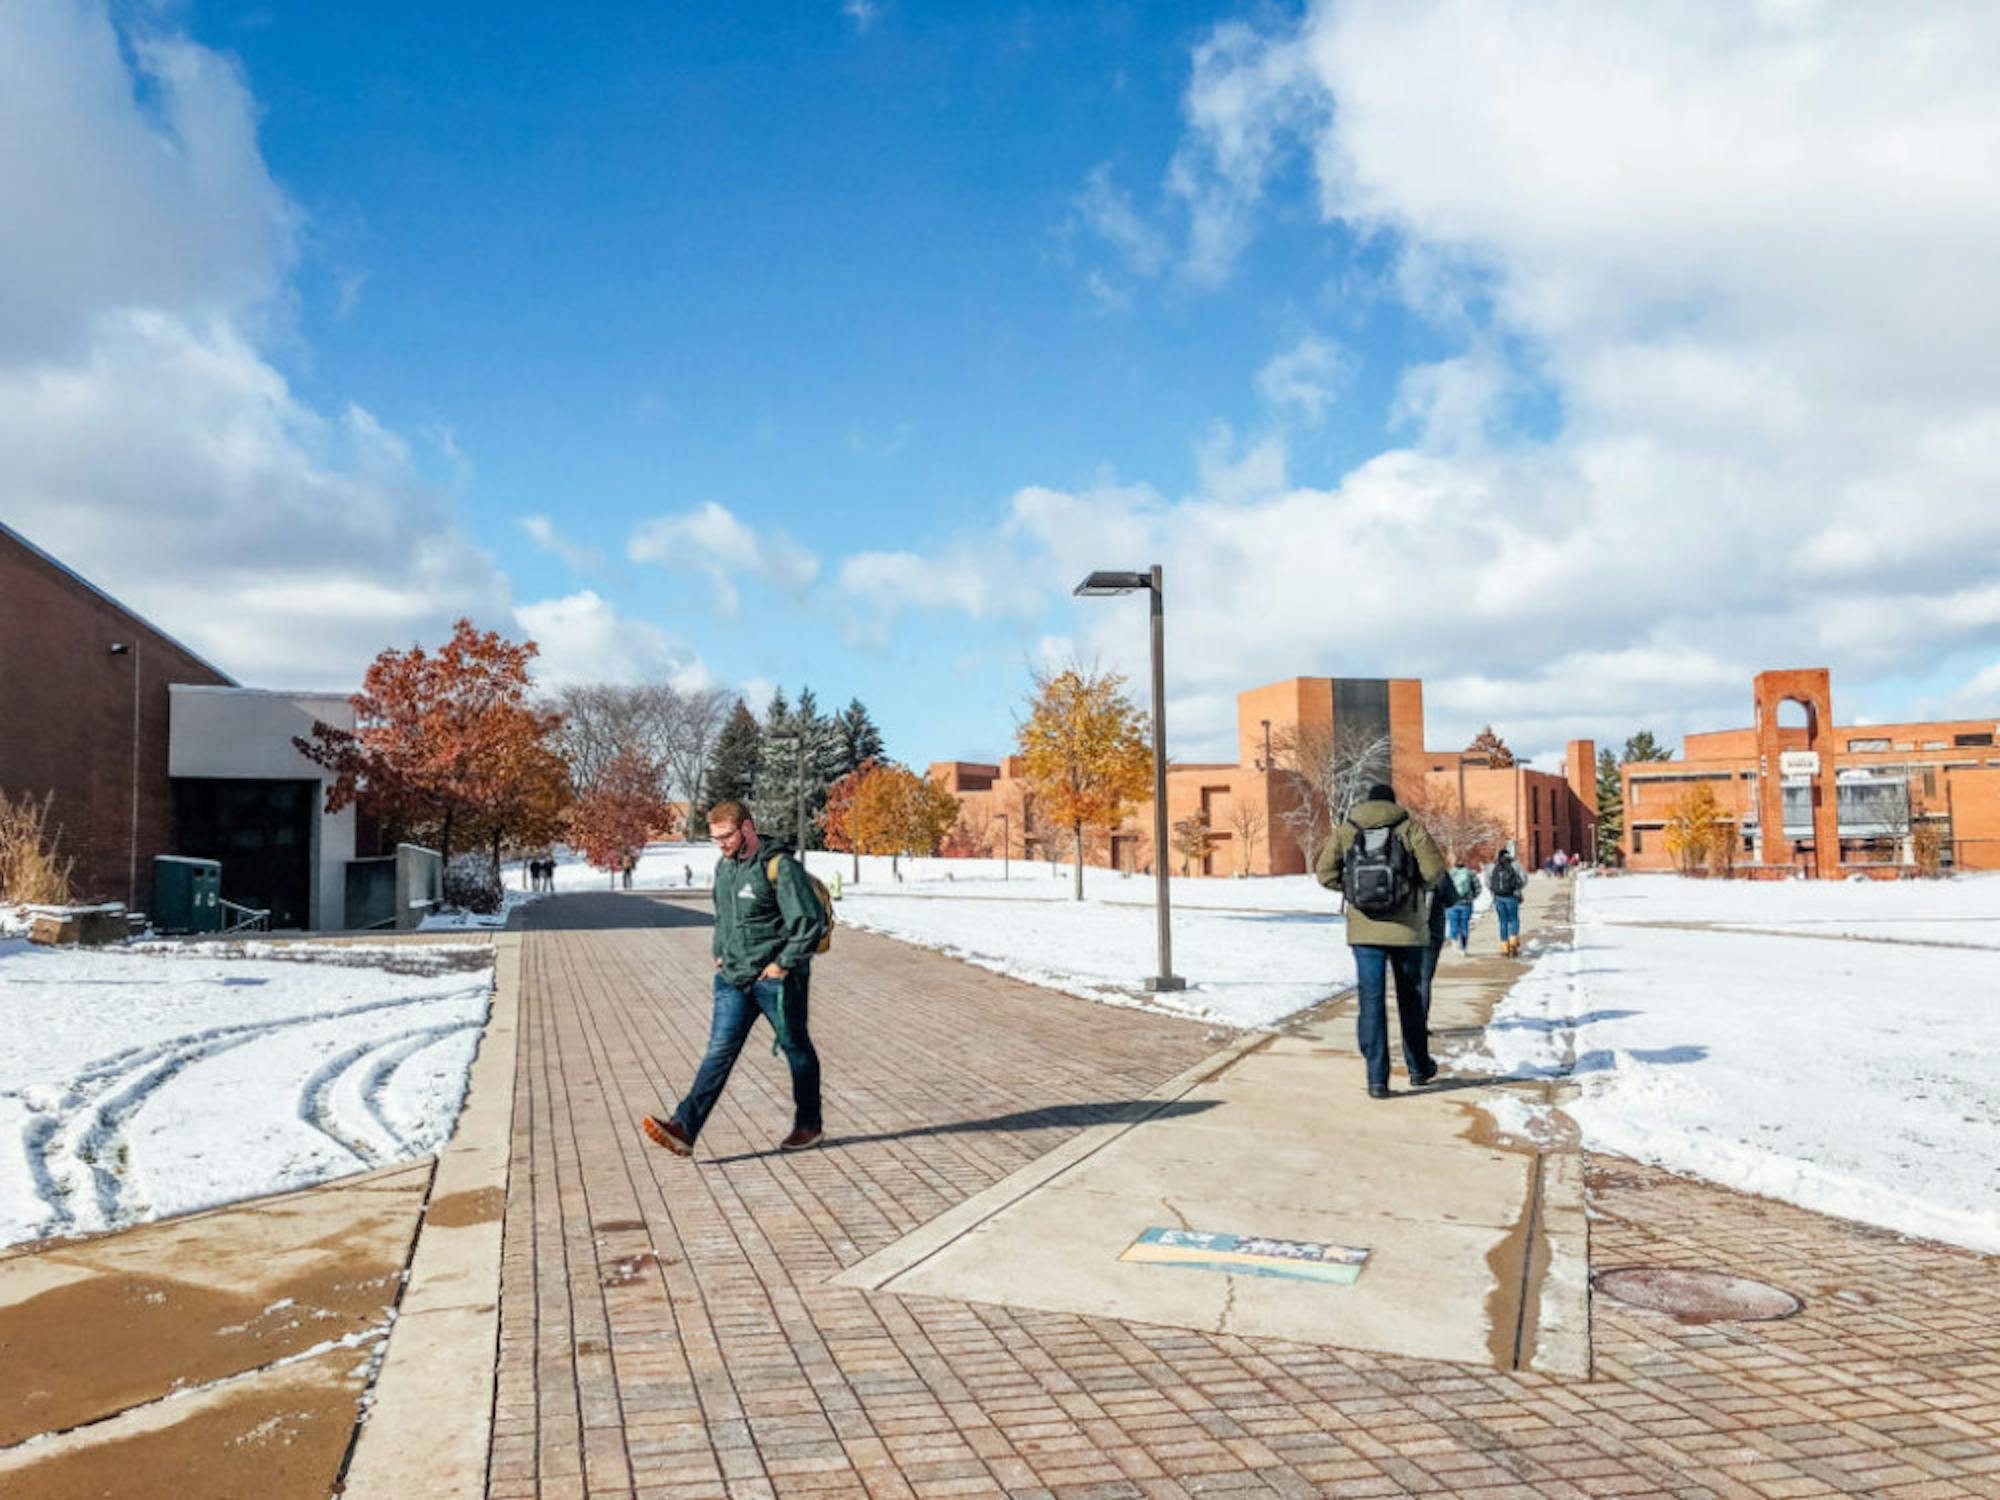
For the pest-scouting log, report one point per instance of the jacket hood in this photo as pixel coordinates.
(1377, 814)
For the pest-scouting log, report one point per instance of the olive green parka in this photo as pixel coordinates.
(1407, 928)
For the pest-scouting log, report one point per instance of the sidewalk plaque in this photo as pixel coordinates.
(1248, 1255)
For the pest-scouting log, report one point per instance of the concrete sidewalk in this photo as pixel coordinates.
(1478, 1249)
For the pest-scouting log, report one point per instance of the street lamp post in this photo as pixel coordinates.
(1103, 585)
(1006, 840)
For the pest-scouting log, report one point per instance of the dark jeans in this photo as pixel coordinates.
(1371, 970)
(1508, 910)
(1430, 974)
(736, 1011)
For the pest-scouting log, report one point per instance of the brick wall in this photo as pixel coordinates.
(67, 721)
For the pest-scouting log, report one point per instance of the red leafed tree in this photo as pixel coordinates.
(444, 743)
(621, 811)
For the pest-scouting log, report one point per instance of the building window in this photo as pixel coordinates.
(1930, 783)
(1973, 739)
(1638, 841)
(1934, 744)
(1863, 745)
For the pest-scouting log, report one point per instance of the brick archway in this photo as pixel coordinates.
(1812, 690)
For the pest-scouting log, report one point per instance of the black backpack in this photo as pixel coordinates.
(1379, 876)
(1507, 878)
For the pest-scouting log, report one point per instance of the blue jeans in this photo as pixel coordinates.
(736, 1011)
(1508, 910)
(1458, 923)
(1371, 969)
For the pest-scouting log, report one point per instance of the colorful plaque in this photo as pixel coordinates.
(1248, 1255)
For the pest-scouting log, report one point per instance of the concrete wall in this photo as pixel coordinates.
(67, 703)
(246, 733)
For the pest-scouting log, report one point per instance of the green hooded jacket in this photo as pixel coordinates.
(757, 922)
(1407, 928)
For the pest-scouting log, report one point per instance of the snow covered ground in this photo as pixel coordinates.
(145, 1081)
(1854, 1078)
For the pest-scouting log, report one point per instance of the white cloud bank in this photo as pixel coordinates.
(149, 441)
(1740, 257)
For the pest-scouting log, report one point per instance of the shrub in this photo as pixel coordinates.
(472, 883)
(33, 869)
(1927, 848)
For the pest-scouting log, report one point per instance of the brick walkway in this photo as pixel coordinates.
(666, 1330)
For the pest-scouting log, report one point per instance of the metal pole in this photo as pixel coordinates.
(1166, 979)
(132, 857)
(1006, 839)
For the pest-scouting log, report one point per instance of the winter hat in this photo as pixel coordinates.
(1381, 792)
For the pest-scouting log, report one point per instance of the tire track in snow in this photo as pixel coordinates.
(365, 1071)
(76, 1145)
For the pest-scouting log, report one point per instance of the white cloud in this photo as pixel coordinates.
(1106, 210)
(1722, 396)
(863, 13)
(583, 638)
(150, 443)
(714, 543)
(542, 532)
(1304, 379)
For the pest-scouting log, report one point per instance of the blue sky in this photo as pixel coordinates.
(830, 343)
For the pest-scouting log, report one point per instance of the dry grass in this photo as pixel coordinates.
(33, 869)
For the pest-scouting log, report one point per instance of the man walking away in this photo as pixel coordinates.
(1508, 882)
(1465, 888)
(1381, 860)
(768, 924)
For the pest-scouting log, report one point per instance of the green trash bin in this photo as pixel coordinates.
(187, 894)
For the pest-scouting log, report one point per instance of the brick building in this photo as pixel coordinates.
(1849, 799)
(84, 712)
(1355, 721)
(145, 749)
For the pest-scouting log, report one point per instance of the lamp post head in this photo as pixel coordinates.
(1103, 585)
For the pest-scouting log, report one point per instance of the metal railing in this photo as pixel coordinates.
(237, 918)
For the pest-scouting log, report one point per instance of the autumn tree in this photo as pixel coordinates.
(1085, 751)
(621, 811)
(835, 828)
(440, 739)
(1193, 839)
(894, 811)
(1691, 827)
(1490, 745)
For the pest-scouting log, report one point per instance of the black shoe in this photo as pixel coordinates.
(1422, 1080)
(1378, 1091)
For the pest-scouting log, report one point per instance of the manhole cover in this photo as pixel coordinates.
(1696, 1296)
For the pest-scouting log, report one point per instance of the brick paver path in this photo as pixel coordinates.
(666, 1329)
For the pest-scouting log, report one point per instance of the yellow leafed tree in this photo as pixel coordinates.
(1692, 825)
(1085, 753)
(892, 810)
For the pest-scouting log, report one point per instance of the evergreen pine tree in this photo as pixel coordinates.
(776, 794)
(1610, 808)
(817, 754)
(1642, 746)
(856, 739)
(732, 767)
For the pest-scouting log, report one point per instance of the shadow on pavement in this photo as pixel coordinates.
(1056, 1117)
(602, 911)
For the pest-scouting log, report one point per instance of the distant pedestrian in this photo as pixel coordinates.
(1561, 861)
(1507, 881)
(626, 867)
(1465, 889)
(687, 875)
(1381, 860)
(768, 924)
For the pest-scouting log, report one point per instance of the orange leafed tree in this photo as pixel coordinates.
(894, 811)
(444, 742)
(834, 817)
(620, 811)
(1490, 745)
(1085, 751)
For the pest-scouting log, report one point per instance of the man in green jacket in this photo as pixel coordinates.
(768, 922)
(1395, 939)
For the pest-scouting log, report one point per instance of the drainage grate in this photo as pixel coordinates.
(1696, 1296)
